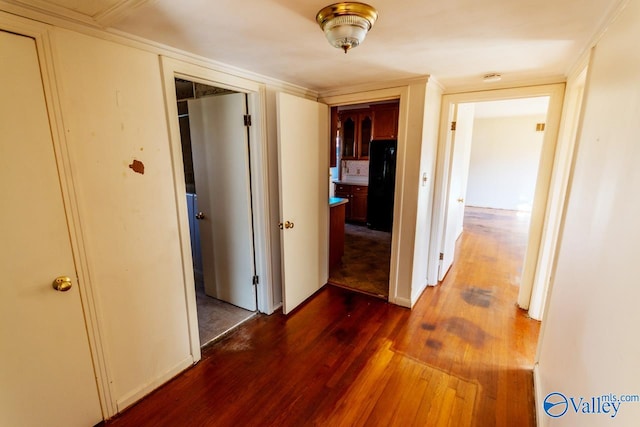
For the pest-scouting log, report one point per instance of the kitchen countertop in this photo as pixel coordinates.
(364, 184)
(337, 201)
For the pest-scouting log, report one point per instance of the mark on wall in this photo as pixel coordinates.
(137, 166)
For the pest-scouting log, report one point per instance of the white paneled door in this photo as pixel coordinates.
(220, 146)
(303, 156)
(46, 372)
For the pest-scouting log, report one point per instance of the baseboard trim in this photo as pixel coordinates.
(416, 295)
(132, 397)
(537, 394)
(402, 302)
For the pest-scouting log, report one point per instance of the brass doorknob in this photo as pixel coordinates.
(461, 200)
(287, 224)
(62, 284)
(200, 215)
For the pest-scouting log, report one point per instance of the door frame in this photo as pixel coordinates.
(170, 69)
(400, 93)
(539, 214)
(41, 34)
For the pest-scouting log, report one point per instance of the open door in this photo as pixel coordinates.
(303, 132)
(220, 146)
(461, 135)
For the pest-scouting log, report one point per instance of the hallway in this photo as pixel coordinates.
(462, 357)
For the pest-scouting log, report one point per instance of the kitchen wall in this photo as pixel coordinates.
(355, 171)
(588, 346)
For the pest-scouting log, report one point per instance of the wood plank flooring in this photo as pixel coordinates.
(462, 357)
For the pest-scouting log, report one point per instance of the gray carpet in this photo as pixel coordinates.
(216, 317)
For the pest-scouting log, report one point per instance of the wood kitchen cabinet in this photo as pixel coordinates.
(356, 209)
(357, 128)
(385, 121)
(356, 131)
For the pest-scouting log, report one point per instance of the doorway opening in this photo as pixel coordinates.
(216, 157)
(362, 187)
(495, 160)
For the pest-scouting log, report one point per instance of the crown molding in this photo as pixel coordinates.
(45, 12)
(608, 18)
(101, 19)
(191, 58)
(117, 12)
(85, 25)
(371, 86)
(483, 87)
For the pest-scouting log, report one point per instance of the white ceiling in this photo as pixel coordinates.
(457, 41)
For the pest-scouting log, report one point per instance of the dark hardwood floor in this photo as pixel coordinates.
(463, 356)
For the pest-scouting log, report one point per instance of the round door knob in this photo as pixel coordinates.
(200, 215)
(62, 284)
(287, 224)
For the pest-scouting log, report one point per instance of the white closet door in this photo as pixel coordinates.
(46, 373)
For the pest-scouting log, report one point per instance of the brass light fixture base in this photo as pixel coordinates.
(346, 24)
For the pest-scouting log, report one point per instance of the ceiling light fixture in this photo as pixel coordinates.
(492, 77)
(346, 24)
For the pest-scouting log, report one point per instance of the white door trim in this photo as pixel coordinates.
(571, 116)
(46, 53)
(538, 214)
(172, 68)
(401, 93)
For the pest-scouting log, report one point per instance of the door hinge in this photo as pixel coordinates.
(256, 280)
(453, 125)
(441, 256)
(247, 119)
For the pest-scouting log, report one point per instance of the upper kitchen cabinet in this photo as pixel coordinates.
(356, 131)
(356, 128)
(385, 121)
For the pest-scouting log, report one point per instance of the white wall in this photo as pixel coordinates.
(113, 111)
(588, 345)
(424, 218)
(505, 156)
(407, 201)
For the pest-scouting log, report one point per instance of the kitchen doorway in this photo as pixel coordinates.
(362, 186)
(215, 151)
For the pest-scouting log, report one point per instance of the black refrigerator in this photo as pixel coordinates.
(382, 182)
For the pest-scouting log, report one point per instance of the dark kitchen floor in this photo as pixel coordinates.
(365, 263)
